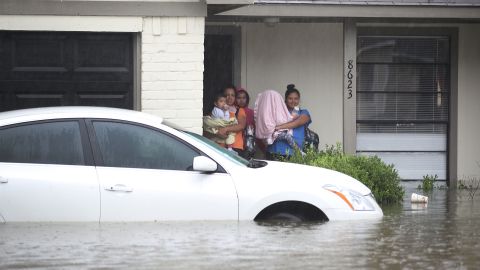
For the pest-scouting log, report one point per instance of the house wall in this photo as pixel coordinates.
(71, 23)
(310, 55)
(170, 67)
(468, 101)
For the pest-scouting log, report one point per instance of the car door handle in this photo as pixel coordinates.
(3, 180)
(120, 188)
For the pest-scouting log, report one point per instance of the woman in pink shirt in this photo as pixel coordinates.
(242, 100)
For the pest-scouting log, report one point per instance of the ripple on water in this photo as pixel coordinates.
(442, 235)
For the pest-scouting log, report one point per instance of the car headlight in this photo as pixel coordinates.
(355, 200)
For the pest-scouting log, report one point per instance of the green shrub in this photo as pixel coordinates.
(381, 178)
(470, 184)
(428, 183)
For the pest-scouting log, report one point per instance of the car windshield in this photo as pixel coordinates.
(231, 155)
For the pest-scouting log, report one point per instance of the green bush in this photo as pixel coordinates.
(381, 178)
(428, 183)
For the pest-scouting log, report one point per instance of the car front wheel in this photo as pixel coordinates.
(284, 216)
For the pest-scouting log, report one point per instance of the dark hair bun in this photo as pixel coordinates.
(291, 86)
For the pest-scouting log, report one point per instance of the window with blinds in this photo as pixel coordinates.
(402, 102)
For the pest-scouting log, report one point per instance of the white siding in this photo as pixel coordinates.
(71, 23)
(468, 101)
(310, 55)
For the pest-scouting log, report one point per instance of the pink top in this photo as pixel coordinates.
(250, 117)
(270, 111)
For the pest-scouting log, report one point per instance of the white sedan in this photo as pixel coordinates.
(106, 164)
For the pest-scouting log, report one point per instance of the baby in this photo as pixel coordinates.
(220, 117)
(287, 134)
(220, 108)
(295, 112)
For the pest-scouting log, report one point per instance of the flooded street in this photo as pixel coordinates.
(444, 235)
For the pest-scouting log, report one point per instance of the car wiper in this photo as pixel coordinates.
(255, 163)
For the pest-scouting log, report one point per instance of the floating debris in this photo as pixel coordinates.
(417, 198)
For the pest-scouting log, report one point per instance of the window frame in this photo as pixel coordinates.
(359, 29)
(84, 140)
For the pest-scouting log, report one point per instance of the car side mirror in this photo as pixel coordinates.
(204, 164)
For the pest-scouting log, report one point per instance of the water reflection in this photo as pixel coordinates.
(443, 235)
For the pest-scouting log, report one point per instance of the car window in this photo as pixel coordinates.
(45, 143)
(132, 146)
(231, 155)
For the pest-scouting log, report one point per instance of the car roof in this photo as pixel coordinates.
(63, 112)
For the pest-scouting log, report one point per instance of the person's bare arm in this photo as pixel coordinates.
(242, 123)
(299, 121)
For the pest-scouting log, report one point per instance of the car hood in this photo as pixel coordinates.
(297, 173)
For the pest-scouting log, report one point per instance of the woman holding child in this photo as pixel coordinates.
(281, 149)
(240, 115)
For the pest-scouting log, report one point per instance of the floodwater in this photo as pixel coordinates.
(443, 235)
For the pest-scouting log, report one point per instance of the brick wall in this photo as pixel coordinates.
(172, 69)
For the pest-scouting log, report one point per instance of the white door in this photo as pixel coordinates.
(147, 175)
(43, 176)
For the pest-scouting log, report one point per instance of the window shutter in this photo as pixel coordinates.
(403, 90)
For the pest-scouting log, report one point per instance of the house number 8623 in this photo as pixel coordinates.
(349, 79)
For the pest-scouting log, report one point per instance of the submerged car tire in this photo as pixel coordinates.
(284, 216)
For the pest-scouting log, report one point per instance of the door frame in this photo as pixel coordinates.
(235, 32)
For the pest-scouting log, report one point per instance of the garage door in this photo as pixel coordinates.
(62, 68)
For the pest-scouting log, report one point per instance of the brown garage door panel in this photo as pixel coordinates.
(27, 94)
(105, 54)
(41, 53)
(64, 68)
(115, 94)
(115, 99)
(23, 101)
